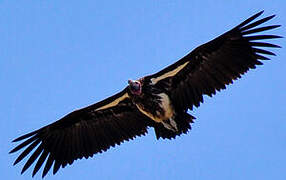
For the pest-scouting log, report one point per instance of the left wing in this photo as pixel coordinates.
(215, 64)
(82, 133)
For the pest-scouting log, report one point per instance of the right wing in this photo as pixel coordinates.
(82, 133)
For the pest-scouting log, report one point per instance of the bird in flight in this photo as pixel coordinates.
(160, 100)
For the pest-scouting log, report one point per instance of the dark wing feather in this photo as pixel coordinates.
(212, 66)
(82, 133)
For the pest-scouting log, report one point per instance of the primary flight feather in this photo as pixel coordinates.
(160, 101)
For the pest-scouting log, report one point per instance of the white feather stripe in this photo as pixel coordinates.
(168, 74)
(113, 103)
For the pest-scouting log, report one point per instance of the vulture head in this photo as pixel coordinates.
(135, 87)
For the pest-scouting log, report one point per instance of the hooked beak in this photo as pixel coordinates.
(130, 82)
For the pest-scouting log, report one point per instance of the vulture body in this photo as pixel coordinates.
(160, 100)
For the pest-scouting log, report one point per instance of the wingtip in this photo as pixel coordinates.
(25, 136)
(15, 162)
(43, 175)
(257, 14)
(271, 17)
(15, 140)
(23, 170)
(45, 172)
(250, 19)
(260, 12)
(276, 26)
(12, 151)
(33, 174)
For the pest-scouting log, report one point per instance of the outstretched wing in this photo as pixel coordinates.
(215, 64)
(82, 133)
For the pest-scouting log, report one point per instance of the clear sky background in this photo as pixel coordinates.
(57, 56)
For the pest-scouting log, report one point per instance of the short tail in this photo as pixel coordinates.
(183, 121)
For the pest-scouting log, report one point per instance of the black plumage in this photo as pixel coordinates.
(160, 101)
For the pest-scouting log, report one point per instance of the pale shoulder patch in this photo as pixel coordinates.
(114, 103)
(168, 74)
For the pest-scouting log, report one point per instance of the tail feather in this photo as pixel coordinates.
(183, 121)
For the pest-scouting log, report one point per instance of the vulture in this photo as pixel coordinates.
(162, 100)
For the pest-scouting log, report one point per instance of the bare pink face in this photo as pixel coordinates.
(135, 87)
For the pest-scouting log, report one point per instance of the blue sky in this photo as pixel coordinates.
(57, 56)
